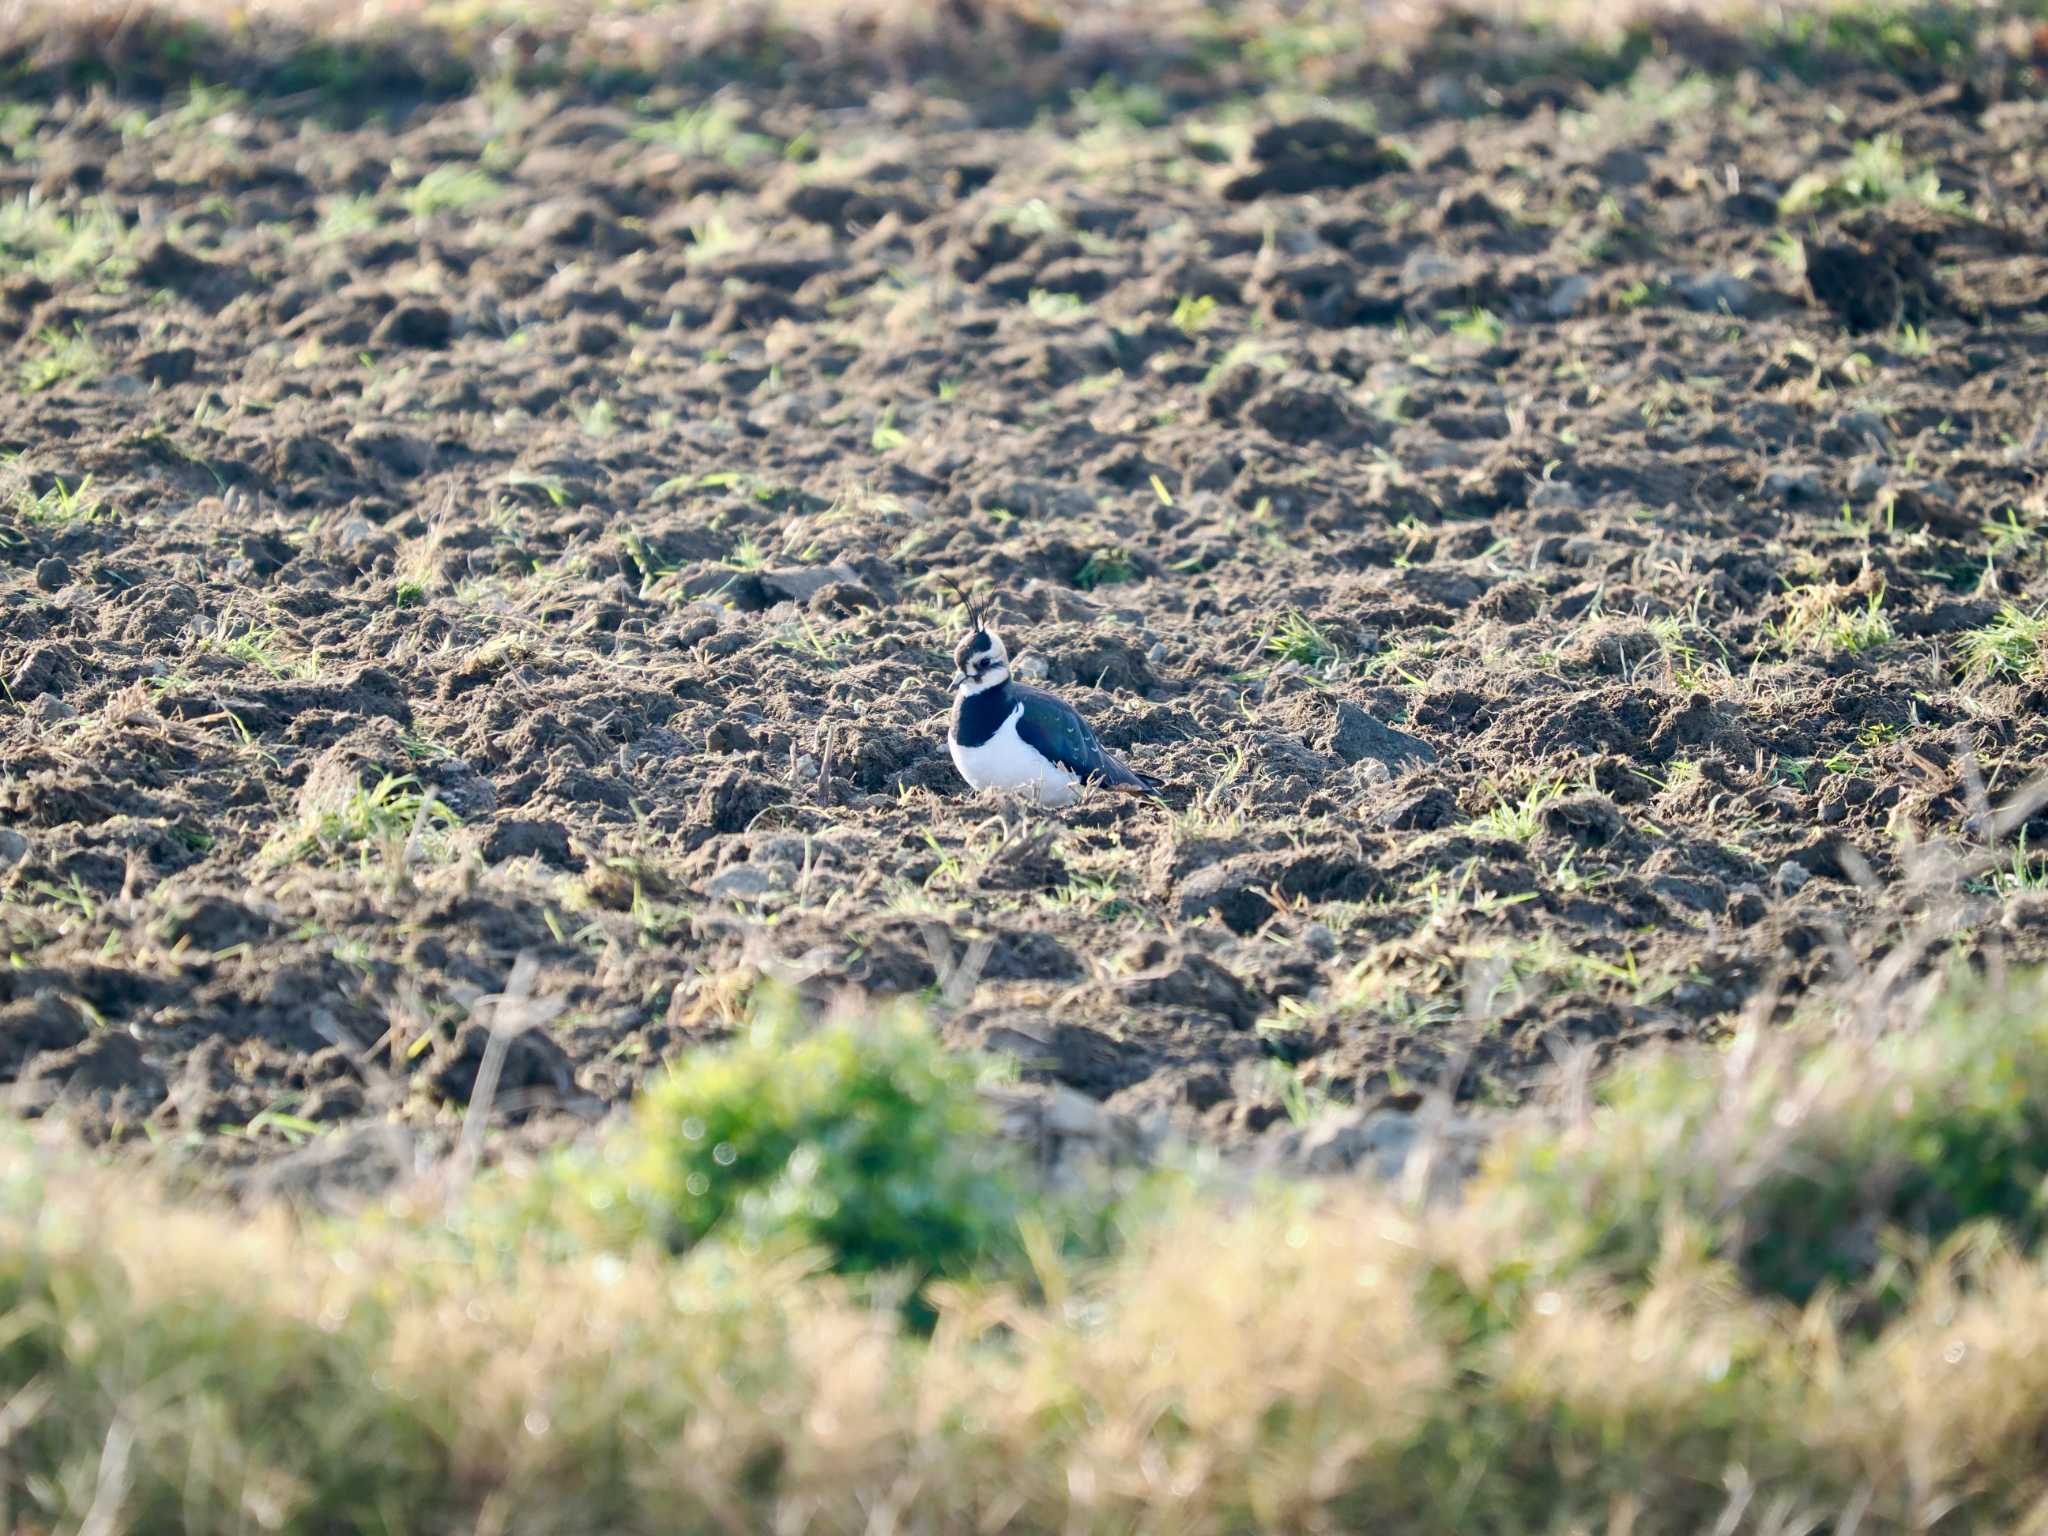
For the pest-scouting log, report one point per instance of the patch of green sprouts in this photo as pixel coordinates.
(61, 357)
(1299, 639)
(1875, 173)
(1108, 566)
(387, 815)
(2011, 646)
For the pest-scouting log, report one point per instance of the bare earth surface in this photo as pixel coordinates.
(513, 526)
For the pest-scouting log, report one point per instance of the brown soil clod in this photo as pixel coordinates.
(1878, 275)
(1311, 155)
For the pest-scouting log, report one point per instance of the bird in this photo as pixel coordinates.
(1007, 736)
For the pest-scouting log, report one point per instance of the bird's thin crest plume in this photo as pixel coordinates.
(976, 610)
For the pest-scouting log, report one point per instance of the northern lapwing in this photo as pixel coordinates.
(1023, 740)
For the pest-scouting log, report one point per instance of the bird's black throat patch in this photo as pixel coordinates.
(978, 716)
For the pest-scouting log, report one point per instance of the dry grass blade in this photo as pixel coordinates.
(513, 1011)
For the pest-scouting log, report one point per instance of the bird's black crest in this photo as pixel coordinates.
(977, 611)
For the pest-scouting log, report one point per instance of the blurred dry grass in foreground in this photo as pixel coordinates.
(1253, 1358)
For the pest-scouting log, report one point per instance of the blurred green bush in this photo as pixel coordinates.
(1838, 1165)
(861, 1140)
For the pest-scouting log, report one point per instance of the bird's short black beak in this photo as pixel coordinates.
(959, 677)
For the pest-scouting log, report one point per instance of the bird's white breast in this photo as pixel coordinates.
(1006, 761)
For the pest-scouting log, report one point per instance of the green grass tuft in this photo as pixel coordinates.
(2026, 870)
(1823, 617)
(450, 189)
(1875, 173)
(61, 357)
(2012, 646)
(61, 506)
(63, 245)
(1108, 566)
(1520, 820)
(1193, 314)
(383, 817)
(1298, 638)
(712, 131)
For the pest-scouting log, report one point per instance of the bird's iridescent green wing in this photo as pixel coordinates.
(1054, 729)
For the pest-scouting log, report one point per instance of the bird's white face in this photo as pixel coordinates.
(980, 662)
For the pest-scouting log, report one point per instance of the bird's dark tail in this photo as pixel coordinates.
(1123, 776)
